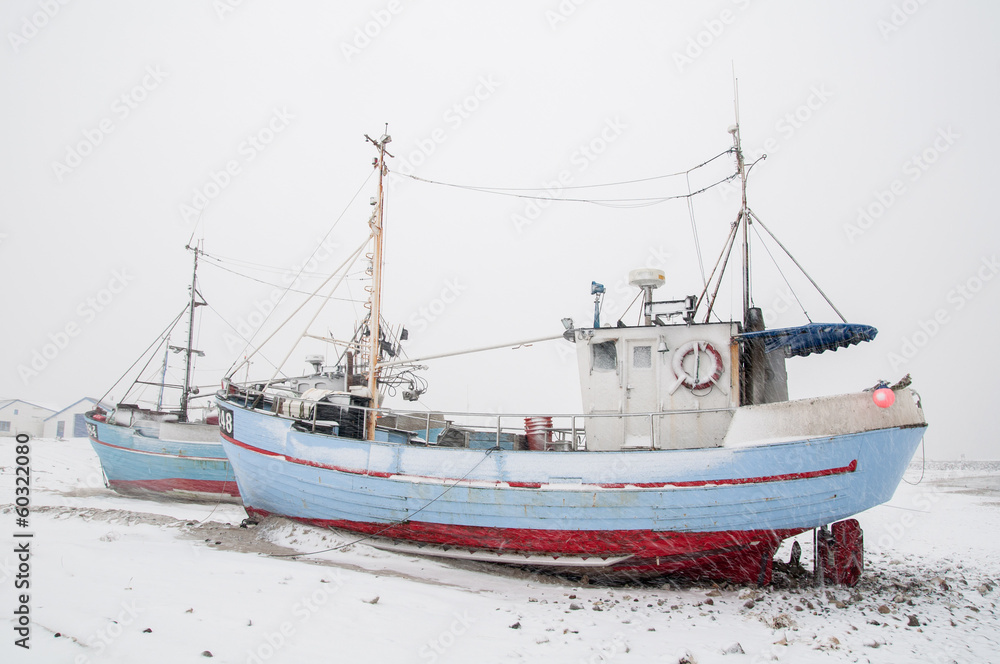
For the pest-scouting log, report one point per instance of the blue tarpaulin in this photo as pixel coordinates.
(812, 338)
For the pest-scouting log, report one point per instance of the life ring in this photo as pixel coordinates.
(686, 379)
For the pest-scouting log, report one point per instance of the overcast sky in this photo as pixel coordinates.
(127, 127)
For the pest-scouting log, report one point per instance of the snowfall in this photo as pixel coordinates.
(116, 579)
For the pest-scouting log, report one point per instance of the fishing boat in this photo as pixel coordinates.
(160, 451)
(687, 459)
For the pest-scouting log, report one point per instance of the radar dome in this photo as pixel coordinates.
(646, 278)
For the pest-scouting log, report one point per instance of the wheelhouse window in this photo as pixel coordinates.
(605, 356)
(4, 426)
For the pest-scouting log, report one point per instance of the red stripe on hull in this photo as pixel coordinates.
(166, 486)
(251, 447)
(302, 462)
(737, 556)
(849, 468)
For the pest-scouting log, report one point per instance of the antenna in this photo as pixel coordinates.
(744, 216)
(736, 95)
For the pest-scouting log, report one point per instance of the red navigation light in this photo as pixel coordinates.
(884, 397)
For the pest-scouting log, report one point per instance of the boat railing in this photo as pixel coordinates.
(552, 431)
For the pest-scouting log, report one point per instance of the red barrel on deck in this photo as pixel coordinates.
(538, 431)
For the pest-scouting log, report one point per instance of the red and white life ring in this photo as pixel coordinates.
(686, 379)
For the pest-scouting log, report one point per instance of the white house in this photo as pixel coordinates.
(18, 416)
(69, 422)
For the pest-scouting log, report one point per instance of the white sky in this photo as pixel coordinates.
(841, 95)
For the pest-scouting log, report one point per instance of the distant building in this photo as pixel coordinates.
(69, 422)
(18, 416)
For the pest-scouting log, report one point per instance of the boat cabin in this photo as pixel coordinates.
(670, 383)
(658, 386)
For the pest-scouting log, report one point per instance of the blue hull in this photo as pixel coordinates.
(135, 464)
(670, 506)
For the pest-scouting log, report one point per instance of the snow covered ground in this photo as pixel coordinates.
(114, 579)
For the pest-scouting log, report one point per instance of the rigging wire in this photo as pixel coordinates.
(196, 224)
(726, 253)
(581, 186)
(237, 332)
(237, 364)
(268, 283)
(143, 371)
(725, 249)
(694, 230)
(345, 265)
(192, 362)
(797, 264)
(607, 202)
(757, 161)
(748, 249)
(156, 343)
(629, 307)
(783, 277)
(350, 298)
(260, 266)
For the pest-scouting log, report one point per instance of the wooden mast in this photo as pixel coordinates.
(375, 315)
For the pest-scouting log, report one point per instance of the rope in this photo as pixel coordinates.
(923, 462)
(219, 502)
(395, 523)
(907, 509)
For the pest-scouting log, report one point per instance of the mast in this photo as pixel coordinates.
(189, 349)
(375, 315)
(163, 375)
(753, 361)
(744, 216)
